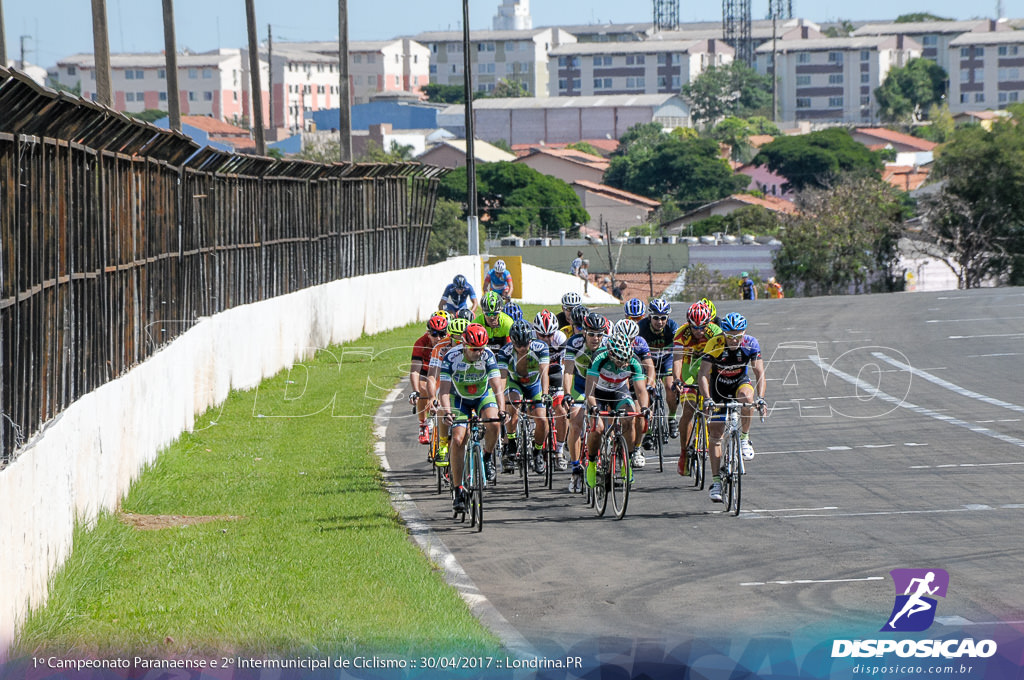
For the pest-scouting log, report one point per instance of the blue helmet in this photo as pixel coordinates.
(460, 281)
(733, 322)
(514, 310)
(660, 306)
(635, 308)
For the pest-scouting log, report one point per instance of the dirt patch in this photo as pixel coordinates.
(153, 522)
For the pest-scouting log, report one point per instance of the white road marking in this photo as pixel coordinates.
(984, 318)
(839, 448)
(913, 444)
(962, 391)
(827, 507)
(902, 403)
(769, 453)
(876, 446)
(805, 581)
(961, 465)
(989, 335)
(966, 508)
(997, 354)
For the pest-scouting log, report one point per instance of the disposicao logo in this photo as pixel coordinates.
(914, 611)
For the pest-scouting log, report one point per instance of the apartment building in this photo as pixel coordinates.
(986, 71)
(647, 67)
(517, 56)
(833, 79)
(934, 36)
(213, 83)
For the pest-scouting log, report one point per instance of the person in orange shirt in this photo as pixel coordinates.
(774, 288)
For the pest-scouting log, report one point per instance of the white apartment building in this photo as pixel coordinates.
(833, 79)
(517, 56)
(934, 36)
(513, 15)
(986, 71)
(210, 84)
(647, 67)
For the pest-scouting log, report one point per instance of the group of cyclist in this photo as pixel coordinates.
(583, 368)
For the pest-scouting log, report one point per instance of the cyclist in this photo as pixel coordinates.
(455, 330)
(499, 279)
(635, 309)
(546, 326)
(580, 351)
(612, 370)
(514, 311)
(458, 295)
(496, 322)
(711, 306)
(724, 375)
(631, 330)
(576, 317)
(748, 289)
(689, 341)
(470, 381)
(660, 331)
(437, 330)
(524, 367)
(569, 300)
(466, 314)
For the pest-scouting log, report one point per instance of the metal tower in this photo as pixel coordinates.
(780, 9)
(736, 24)
(666, 15)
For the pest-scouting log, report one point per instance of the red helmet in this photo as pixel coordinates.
(545, 322)
(699, 314)
(437, 323)
(607, 326)
(475, 335)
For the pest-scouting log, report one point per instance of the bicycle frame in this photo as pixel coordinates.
(614, 470)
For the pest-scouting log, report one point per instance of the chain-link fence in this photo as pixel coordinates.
(116, 236)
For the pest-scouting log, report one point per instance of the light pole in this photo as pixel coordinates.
(473, 242)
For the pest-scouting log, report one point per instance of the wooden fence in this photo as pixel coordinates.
(116, 236)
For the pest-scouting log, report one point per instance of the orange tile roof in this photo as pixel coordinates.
(898, 138)
(770, 202)
(574, 156)
(605, 146)
(905, 177)
(214, 126)
(757, 141)
(617, 193)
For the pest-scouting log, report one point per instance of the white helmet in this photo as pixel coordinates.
(571, 299)
(627, 327)
(499, 266)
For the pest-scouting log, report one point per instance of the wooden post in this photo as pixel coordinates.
(344, 88)
(650, 275)
(256, 93)
(101, 50)
(171, 59)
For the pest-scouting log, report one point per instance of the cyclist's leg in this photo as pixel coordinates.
(745, 395)
(634, 434)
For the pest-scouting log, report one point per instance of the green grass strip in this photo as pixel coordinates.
(304, 552)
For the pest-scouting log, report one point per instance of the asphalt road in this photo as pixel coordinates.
(895, 440)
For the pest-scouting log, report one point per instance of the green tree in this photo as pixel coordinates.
(733, 90)
(324, 152)
(148, 116)
(911, 90)
(584, 147)
(941, 127)
(763, 126)
(750, 219)
(509, 88)
(975, 223)
(445, 94)
(845, 237)
(375, 154)
(842, 28)
(448, 233)
(55, 84)
(735, 132)
(818, 158)
(515, 197)
(915, 17)
(503, 145)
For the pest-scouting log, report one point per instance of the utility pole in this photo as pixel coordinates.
(608, 242)
(101, 50)
(254, 72)
(775, 64)
(471, 219)
(344, 89)
(3, 40)
(171, 58)
(21, 61)
(270, 75)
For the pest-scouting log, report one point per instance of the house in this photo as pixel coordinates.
(982, 118)
(532, 120)
(905, 177)
(451, 153)
(648, 67)
(605, 147)
(567, 165)
(729, 205)
(877, 137)
(617, 209)
(764, 180)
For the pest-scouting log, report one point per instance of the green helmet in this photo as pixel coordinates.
(711, 306)
(458, 326)
(492, 303)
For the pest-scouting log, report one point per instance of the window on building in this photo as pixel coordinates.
(635, 83)
(803, 58)
(635, 59)
(662, 59)
(1003, 97)
(161, 73)
(574, 62)
(129, 96)
(193, 73)
(1013, 73)
(929, 40)
(803, 102)
(72, 70)
(432, 69)
(1013, 96)
(979, 97)
(865, 100)
(979, 52)
(865, 55)
(835, 102)
(602, 61)
(372, 58)
(191, 96)
(207, 96)
(676, 82)
(563, 83)
(320, 89)
(577, 84)
(965, 75)
(965, 52)
(662, 82)
(835, 57)
(207, 74)
(979, 75)
(92, 75)
(835, 79)
(802, 81)
(162, 96)
(602, 83)
(510, 46)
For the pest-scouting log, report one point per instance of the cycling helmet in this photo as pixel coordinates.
(620, 347)
(635, 308)
(491, 303)
(458, 326)
(607, 325)
(443, 313)
(626, 327)
(577, 315)
(593, 322)
(711, 306)
(460, 281)
(571, 299)
(464, 313)
(475, 335)
(514, 310)
(659, 306)
(437, 323)
(499, 266)
(698, 315)
(733, 322)
(521, 333)
(545, 322)
(744, 275)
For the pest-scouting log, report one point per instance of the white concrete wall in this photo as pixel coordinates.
(86, 459)
(545, 287)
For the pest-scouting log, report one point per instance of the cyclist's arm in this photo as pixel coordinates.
(445, 396)
(760, 384)
(414, 376)
(508, 287)
(589, 390)
(639, 386)
(499, 392)
(648, 365)
(568, 371)
(545, 380)
(704, 379)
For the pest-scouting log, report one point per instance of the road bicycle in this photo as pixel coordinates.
(658, 432)
(697, 448)
(522, 455)
(474, 474)
(732, 469)
(614, 471)
(550, 449)
(440, 468)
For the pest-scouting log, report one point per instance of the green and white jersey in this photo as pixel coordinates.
(469, 379)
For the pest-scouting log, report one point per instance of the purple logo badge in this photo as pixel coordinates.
(916, 589)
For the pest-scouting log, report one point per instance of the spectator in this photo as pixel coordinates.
(584, 273)
(748, 288)
(606, 284)
(617, 291)
(774, 289)
(574, 268)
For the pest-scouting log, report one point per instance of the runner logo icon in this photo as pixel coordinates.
(916, 589)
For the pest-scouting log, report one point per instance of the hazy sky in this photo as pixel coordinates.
(59, 28)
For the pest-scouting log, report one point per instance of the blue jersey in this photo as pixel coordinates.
(641, 349)
(454, 300)
(500, 281)
(661, 344)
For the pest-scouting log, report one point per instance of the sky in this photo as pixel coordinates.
(59, 28)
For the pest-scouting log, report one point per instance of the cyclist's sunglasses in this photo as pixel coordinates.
(439, 334)
(735, 336)
(659, 317)
(492, 314)
(591, 334)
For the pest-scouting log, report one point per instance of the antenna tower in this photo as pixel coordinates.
(780, 9)
(666, 15)
(736, 24)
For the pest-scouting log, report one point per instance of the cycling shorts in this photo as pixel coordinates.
(463, 408)
(532, 392)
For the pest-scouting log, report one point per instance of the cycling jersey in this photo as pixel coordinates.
(641, 350)
(690, 347)
(497, 336)
(556, 350)
(469, 380)
(437, 354)
(730, 365)
(500, 281)
(576, 351)
(421, 350)
(612, 378)
(661, 344)
(563, 319)
(537, 360)
(454, 300)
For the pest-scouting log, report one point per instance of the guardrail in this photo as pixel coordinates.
(116, 236)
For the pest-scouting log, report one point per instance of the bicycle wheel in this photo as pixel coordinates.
(701, 452)
(476, 498)
(601, 485)
(549, 452)
(523, 439)
(659, 443)
(728, 470)
(619, 477)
